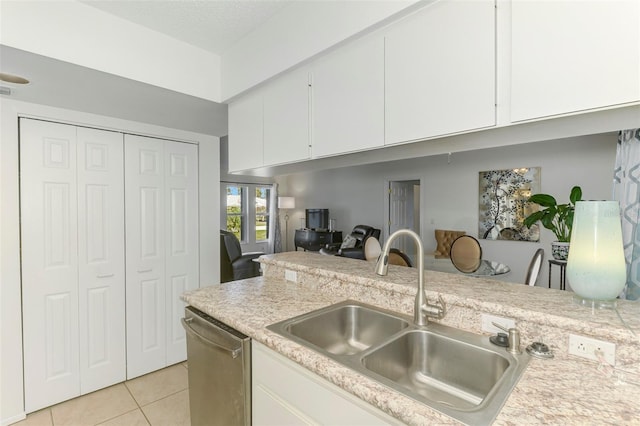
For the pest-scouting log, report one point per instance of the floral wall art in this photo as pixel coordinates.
(503, 204)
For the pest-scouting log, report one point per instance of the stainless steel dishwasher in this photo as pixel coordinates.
(219, 361)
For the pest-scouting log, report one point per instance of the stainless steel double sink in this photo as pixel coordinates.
(455, 372)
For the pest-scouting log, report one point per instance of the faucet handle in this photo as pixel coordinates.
(437, 310)
(443, 307)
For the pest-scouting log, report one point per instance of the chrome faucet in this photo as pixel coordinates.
(422, 309)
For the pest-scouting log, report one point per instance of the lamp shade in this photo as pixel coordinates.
(596, 267)
(286, 202)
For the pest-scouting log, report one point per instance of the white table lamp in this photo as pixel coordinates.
(286, 203)
(596, 267)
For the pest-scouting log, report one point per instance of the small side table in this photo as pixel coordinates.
(563, 274)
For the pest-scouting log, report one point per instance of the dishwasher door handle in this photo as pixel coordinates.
(185, 323)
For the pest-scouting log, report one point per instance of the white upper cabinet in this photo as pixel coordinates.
(440, 71)
(570, 56)
(245, 133)
(348, 99)
(286, 119)
(270, 126)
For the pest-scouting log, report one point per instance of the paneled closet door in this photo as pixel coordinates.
(145, 258)
(101, 258)
(182, 248)
(48, 204)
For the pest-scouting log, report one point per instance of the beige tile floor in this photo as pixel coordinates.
(157, 399)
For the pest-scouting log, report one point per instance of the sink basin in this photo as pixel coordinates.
(438, 368)
(343, 329)
(453, 371)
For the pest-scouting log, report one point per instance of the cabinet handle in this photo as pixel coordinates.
(140, 271)
(104, 275)
(187, 327)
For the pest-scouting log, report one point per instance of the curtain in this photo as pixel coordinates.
(275, 242)
(626, 179)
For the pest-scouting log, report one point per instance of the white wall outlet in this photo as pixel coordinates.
(586, 347)
(490, 328)
(291, 276)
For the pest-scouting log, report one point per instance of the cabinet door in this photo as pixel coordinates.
(348, 99)
(245, 133)
(569, 56)
(286, 119)
(285, 393)
(101, 259)
(440, 71)
(49, 224)
(145, 257)
(181, 230)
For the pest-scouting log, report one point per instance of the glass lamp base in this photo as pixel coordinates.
(594, 303)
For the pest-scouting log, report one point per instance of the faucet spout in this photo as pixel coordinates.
(422, 308)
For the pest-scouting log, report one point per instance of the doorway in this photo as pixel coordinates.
(403, 212)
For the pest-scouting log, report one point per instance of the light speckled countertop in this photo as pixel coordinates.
(565, 390)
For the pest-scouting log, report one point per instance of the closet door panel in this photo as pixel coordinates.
(145, 275)
(49, 262)
(182, 260)
(101, 258)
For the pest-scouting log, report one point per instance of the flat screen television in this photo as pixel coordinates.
(317, 219)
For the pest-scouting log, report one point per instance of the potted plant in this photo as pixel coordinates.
(556, 217)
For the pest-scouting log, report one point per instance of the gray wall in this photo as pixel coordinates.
(449, 190)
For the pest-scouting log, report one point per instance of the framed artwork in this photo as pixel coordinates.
(503, 204)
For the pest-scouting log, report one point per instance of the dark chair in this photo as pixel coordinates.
(235, 265)
(353, 244)
(534, 267)
(398, 257)
(466, 254)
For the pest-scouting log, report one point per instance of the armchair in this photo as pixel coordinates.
(444, 239)
(353, 244)
(235, 265)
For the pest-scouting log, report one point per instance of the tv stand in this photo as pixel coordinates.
(314, 240)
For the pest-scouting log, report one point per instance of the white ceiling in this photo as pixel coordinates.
(213, 25)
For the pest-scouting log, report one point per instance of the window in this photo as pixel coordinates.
(236, 211)
(262, 212)
(247, 212)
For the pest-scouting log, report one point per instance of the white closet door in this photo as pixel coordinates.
(181, 254)
(48, 202)
(145, 257)
(101, 259)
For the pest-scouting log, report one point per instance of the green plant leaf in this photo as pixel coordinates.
(544, 200)
(532, 218)
(576, 194)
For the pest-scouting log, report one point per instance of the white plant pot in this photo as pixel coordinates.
(560, 250)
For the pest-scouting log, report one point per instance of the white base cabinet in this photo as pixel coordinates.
(284, 393)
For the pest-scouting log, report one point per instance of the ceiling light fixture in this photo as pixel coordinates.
(10, 78)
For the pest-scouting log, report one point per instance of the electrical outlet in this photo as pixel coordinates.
(586, 347)
(291, 276)
(490, 328)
